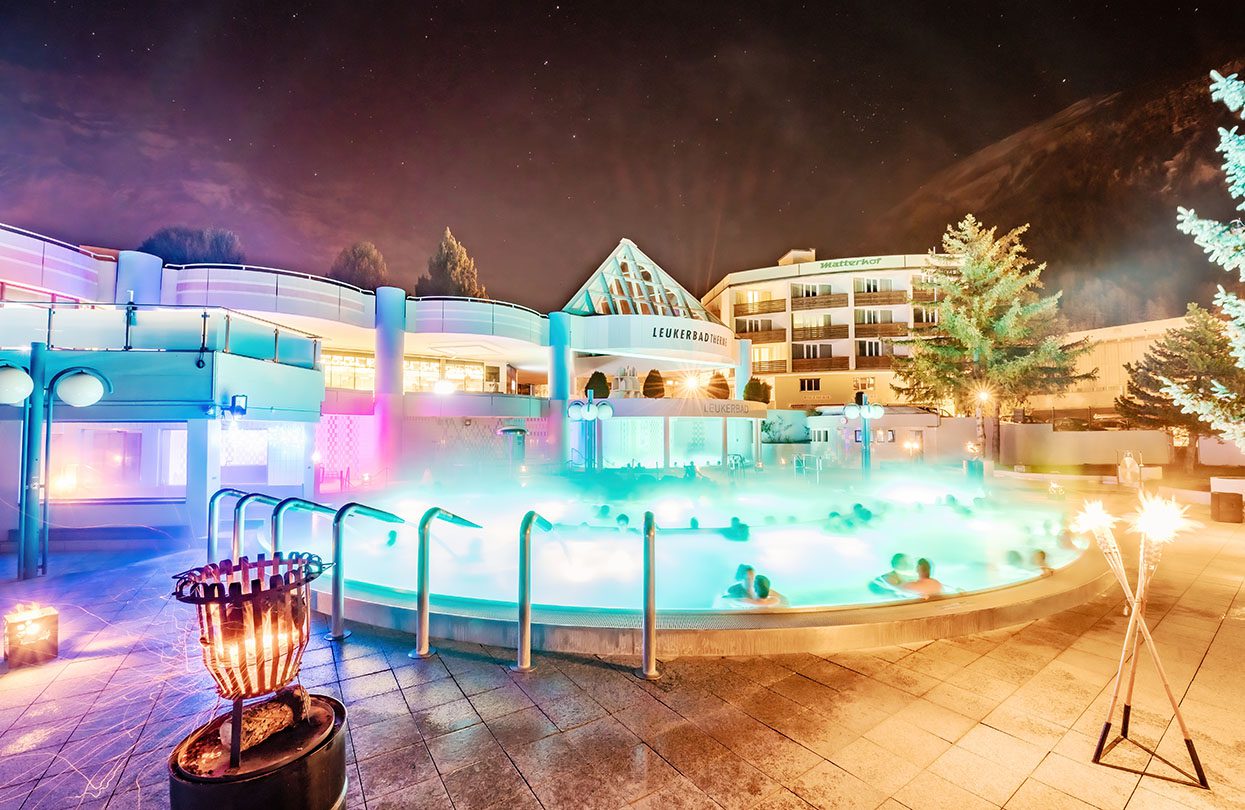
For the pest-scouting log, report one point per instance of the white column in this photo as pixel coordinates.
(743, 367)
(387, 395)
(202, 470)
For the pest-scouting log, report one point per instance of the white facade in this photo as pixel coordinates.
(822, 330)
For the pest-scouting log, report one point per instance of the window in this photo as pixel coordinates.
(874, 316)
(872, 285)
(802, 320)
(863, 383)
(924, 315)
(760, 354)
(868, 348)
(752, 296)
(810, 383)
(806, 290)
(744, 325)
(810, 351)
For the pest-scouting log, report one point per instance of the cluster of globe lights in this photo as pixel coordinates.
(79, 389)
(854, 411)
(589, 411)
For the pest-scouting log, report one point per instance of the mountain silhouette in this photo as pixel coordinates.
(1099, 182)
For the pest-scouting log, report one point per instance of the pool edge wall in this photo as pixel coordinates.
(748, 633)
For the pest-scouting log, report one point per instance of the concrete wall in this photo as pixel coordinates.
(1033, 445)
(1217, 453)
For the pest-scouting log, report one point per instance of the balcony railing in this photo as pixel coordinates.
(769, 367)
(827, 301)
(921, 326)
(881, 329)
(830, 332)
(924, 296)
(760, 307)
(881, 298)
(819, 364)
(765, 336)
(873, 362)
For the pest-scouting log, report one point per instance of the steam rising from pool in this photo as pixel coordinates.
(783, 526)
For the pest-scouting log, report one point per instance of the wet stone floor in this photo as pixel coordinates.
(1007, 718)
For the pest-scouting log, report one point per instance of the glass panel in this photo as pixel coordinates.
(117, 460)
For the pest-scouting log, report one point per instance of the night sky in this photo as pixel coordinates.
(715, 135)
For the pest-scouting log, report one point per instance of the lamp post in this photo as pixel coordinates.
(588, 413)
(78, 387)
(866, 412)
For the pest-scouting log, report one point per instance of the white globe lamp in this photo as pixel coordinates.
(80, 389)
(575, 411)
(604, 410)
(15, 385)
(851, 411)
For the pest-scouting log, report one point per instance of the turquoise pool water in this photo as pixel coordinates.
(781, 525)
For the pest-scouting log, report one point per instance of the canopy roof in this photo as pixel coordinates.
(630, 283)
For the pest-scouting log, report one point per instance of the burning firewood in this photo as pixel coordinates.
(261, 720)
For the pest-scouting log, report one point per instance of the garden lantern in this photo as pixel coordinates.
(31, 635)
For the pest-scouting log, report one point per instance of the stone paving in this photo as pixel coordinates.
(1000, 719)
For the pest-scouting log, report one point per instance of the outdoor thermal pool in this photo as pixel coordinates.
(782, 527)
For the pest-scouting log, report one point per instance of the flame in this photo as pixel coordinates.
(1160, 519)
(1093, 518)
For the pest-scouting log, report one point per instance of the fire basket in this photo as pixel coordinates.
(287, 751)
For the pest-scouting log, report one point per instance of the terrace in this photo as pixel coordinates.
(1002, 718)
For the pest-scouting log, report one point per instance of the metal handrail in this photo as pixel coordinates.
(648, 638)
(337, 629)
(76, 306)
(214, 519)
(291, 505)
(422, 649)
(239, 513)
(523, 651)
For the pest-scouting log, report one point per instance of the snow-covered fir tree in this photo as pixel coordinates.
(1222, 408)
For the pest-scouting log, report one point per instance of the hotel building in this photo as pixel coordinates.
(820, 331)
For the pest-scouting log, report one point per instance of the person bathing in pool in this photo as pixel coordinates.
(745, 583)
(924, 585)
(893, 580)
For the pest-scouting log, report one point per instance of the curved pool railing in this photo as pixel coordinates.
(648, 638)
(293, 505)
(213, 518)
(239, 517)
(523, 653)
(337, 624)
(422, 648)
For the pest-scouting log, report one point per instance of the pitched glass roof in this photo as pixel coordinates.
(630, 283)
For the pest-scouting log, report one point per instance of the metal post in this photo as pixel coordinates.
(422, 649)
(239, 516)
(290, 505)
(866, 450)
(28, 537)
(214, 518)
(648, 639)
(523, 652)
(337, 630)
(235, 739)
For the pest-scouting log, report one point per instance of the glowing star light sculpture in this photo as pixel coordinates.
(1159, 521)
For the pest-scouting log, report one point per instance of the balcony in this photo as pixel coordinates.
(833, 332)
(873, 362)
(924, 296)
(819, 364)
(769, 367)
(881, 298)
(924, 327)
(760, 307)
(765, 336)
(867, 330)
(819, 301)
